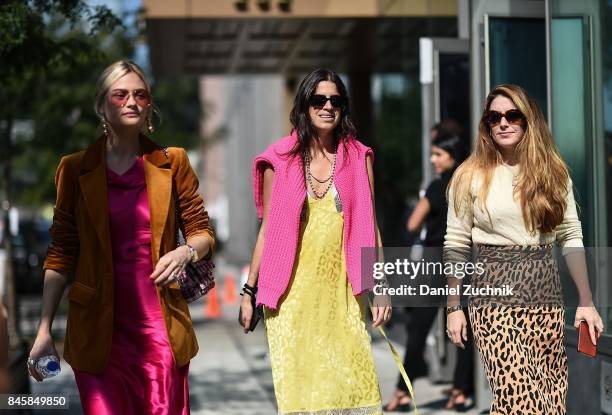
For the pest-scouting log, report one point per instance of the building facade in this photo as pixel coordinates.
(250, 55)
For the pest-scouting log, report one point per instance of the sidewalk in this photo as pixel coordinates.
(231, 374)
(430, 397)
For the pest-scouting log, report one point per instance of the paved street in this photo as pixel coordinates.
(231, 374)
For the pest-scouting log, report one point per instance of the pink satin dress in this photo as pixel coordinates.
(141, 376)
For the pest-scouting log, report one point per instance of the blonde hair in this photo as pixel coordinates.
(110, 75)
(543, 175)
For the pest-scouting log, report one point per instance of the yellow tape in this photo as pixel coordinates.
(400, 366)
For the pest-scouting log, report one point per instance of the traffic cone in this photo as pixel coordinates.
(213, 308)
(229, 289)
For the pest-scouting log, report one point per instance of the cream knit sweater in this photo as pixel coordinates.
(505, 226)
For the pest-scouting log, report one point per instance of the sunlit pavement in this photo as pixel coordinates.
(231, 374)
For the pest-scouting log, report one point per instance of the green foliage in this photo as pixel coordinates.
(51, 53)
(179, 105)
(50, 57)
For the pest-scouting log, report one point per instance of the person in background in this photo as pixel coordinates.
(446, 127)
(447, 153)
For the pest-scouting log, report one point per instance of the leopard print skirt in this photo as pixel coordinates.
(520, 339)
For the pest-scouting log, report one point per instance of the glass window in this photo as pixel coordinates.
(570, 101)
(581, 70)
(517, 55)
(606, 98)
(454, 70)
(606, 43)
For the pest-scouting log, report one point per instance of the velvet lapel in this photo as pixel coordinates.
(92, 182)
(158, 175)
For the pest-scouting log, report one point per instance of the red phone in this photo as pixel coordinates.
(585, 345)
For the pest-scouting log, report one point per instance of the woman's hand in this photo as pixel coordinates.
(43, 346)
(246, 312)
(456, 328)
(170, 265)
(591, 316)
(381, 310)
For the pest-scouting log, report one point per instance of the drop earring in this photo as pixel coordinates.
(150, 125)
(105, 127)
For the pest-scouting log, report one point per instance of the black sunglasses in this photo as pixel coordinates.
(319, 101)
(512, 116)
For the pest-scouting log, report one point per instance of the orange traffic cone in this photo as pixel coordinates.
(213, 308)
(229, 289)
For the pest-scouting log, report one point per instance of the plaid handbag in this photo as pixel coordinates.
(197, 278)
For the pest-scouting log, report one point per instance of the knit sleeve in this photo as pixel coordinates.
(369, 153)
(458, 238)
(259, 166)
(569, 233)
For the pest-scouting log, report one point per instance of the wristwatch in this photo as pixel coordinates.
(453, 309)
(193, 253)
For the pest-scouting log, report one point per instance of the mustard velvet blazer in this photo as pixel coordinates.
(81, 247)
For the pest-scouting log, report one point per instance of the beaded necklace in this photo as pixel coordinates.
(309, 175)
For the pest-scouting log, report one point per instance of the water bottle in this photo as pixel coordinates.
(48, 366)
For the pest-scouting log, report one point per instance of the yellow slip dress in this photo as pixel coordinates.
(320, 349)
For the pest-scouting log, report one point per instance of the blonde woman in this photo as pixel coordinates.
(512, 199)
(129, 337)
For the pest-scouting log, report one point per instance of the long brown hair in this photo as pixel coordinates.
(543, 175)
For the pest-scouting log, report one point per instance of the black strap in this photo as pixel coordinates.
(252, 291)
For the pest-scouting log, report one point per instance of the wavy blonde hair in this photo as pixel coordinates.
(543, 175)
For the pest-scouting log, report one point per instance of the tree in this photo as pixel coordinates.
(63, 118)
(51, 53)
(40, 41)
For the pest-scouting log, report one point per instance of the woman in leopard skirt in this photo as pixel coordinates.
(512, 200)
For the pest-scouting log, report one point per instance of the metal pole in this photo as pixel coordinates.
(427, 106)
(11, 295)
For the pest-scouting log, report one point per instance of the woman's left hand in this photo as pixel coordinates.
(381, 310)
(170, 265)
(591, 316)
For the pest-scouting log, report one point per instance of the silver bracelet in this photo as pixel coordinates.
(193, 253)
(453, 309)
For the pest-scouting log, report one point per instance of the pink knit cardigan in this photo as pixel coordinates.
(283, 222)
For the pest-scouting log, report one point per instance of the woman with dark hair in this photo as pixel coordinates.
(513, 199)
(314, 195)
(448, 151)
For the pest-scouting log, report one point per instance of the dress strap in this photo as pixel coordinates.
(336, 198)
(334, 193)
